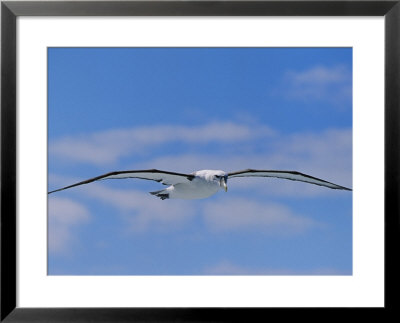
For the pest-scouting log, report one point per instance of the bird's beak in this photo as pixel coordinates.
(223, 184)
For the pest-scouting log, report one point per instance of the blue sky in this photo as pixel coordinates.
(185, 109)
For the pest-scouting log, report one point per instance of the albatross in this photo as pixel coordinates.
(203, 183)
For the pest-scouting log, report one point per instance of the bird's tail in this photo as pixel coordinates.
(163, 194)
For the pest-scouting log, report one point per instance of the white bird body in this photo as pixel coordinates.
(202, 183)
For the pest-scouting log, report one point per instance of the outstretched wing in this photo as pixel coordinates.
(291, 175)
(167, 178)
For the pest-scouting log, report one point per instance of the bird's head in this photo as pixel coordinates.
(219, 177)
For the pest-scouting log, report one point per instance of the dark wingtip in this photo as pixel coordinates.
(343, 188)
(55, 191)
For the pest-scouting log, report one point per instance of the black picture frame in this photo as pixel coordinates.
(10, 10)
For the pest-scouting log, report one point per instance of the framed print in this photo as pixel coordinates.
(104, 102)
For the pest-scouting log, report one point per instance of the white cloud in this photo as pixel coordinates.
(239, 214)
(142, 211)
(321, 75)
(65, 215)
(320, 83)
(327, 155)
(107, 147)
(226, 267)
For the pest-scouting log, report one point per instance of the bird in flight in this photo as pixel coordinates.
(202, 183)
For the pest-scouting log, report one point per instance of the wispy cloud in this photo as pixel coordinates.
(331, 84)
(107, 147)
(326, 154)
(226, 267)
(320, 75)
(141, 211)
(239, 214)
(64, 216)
